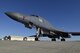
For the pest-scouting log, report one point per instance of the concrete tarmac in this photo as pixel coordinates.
(39, 47)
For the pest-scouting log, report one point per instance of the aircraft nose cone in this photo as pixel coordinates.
(12, 15)
(7, 13)
(15, 16)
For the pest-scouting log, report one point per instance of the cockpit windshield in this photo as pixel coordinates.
(35, 15)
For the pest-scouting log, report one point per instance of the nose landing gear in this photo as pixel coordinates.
(38, 34)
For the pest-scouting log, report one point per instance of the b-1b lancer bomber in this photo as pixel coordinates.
(43, 28)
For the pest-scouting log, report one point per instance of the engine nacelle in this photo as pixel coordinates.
(54, 36)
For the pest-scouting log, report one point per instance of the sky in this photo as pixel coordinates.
(62, 14)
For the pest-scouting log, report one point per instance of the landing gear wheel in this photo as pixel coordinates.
(53, 39)
(63, 40)
(36, 39)
(5, 38)
(9, 37)
(25, 38)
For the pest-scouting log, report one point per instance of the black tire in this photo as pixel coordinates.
(63, 40)
(36, 39)
(9, 37)
(53, 39)
(25, 38)
(5, 38)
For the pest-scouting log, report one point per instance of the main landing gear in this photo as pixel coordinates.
(63, 39)
(53, 39)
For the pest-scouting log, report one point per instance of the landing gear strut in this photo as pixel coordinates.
(38, 34)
